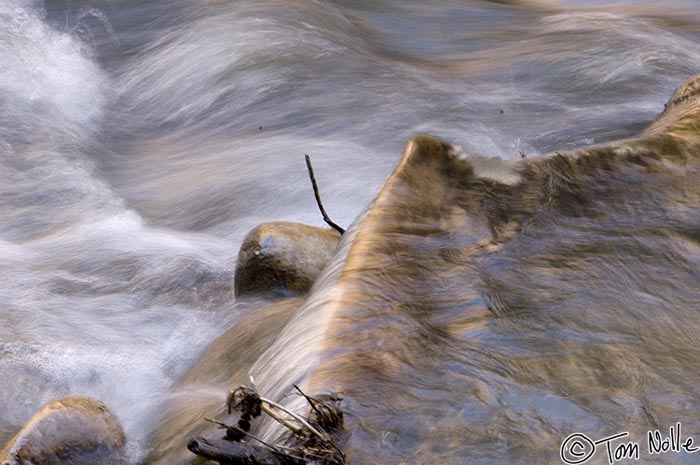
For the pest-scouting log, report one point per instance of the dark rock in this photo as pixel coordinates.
(72, 430)
(283, 258)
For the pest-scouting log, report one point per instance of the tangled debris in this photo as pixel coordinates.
(312, 440)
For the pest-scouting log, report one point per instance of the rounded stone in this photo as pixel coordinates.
(71, 430)
(283, 258)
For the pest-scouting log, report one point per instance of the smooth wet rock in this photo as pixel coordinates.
(71, 430)
(225, 365)
(283, 258)
(459, 273)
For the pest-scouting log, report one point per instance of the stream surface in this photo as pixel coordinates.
(141, 140)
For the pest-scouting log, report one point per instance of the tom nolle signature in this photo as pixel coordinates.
(578, 448)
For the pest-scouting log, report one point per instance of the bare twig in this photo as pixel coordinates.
(245, 433)
(291, 414)
(308, 399)
(313, 439)
(216, 422)
(326, 218)
(293, 427)
(224, 451)
(274, 449)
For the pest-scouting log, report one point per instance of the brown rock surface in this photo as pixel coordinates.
(283, 258)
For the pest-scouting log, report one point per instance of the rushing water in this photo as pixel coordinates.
(140, 141)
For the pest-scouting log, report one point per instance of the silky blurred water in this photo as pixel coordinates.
(140, 141)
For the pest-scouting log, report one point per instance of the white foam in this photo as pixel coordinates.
(43, 65)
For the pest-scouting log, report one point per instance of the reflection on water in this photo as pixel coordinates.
(139, 142)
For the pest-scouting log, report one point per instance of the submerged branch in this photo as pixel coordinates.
(312, 440)
(298, 418)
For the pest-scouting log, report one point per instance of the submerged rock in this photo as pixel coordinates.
(226, 364)
(480, 313)
(70, 431)
(283, 258)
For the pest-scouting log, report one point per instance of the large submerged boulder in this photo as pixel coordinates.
(227, 363)
(67, 431)
(283, 258)
(483, 314)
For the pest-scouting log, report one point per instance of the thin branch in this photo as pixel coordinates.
(223, 425)
(224, 451)
(326, 218)
(294, 428)
(309, 400)
(293, 415)
(271, 448)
